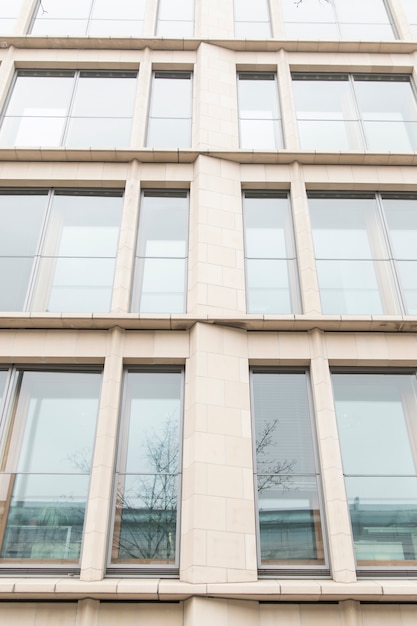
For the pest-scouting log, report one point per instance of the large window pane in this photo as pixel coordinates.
(381, 479)
(37, 110)
(354, 272)
(69, 109)
(9, 11)
(161, 265)
(45, 473)
(90, 17)
(175, 19)
(286, 476)
(252, 19)
(340, 113)
(58, 250)
(389, 114)
(259, 114)
(149, 465)
(271, 273)
(338, 19)
(78, 256)
(326, 114)
(401, 216)
(21, 217)
(171, 110)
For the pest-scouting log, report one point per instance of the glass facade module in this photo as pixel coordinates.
(337, 19)
(58, 250)
(271, 268)
(377, 431)
(286, 476)
(47, 452)
(259, 113)
(66, 108)
(170, 116)
(366, 253)
(95, 18)
(162, 251)
(252, 19)
(175, 19)
(147, 481)
(355, 113)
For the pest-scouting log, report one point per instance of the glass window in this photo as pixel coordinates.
(252, 19)
(9, 11)
(286, 474)
(58, 250)
(170, 111)
(259, 113)
(337, 19)
(376, 416)
(271, 269)
(175, 19)
(147, 481)
(366, 252)
(97, 18)
(67, 108)
(162, 252)
(410, 7)
(341, 113)
(3, 379)
(46, 458)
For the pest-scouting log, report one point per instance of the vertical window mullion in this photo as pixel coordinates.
(38, 256)
(70, 107)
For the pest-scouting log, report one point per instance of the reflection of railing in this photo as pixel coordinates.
(42, 515)
(37, 542)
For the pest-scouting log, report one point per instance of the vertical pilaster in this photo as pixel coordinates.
(97, 522)
(339, 533)
(218, 519)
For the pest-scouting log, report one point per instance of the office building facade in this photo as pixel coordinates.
(208, 349)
